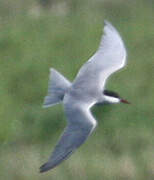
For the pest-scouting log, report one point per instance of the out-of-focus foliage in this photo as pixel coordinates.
(35, 36)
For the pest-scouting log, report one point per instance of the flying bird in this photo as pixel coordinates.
(84, 92)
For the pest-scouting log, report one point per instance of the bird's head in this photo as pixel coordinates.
(113, 97)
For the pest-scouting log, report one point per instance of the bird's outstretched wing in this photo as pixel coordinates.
(80, 125)
(110, 57)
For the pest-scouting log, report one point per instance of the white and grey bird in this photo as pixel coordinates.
(85, 91)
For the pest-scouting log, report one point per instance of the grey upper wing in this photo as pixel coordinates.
(80, 125)
(110, 57)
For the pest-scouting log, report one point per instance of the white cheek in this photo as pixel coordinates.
(111, 99)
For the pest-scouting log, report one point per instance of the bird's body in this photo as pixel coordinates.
(85, 91)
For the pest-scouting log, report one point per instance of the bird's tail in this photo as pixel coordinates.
(58, 85)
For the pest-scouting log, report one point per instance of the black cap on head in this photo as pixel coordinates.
(111, 93)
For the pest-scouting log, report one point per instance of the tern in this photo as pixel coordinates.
(85, 91)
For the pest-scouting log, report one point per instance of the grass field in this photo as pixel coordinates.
(33, 39)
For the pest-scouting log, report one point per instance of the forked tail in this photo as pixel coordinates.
(58, 85)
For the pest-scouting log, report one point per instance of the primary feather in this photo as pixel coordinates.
(79, 127)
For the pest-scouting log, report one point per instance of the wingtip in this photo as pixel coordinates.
(44, 168)
(106, 22)
(52, 69)
(46, 105)
(47, 166)
(108, 27)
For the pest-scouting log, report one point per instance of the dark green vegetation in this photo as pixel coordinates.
(64, 36)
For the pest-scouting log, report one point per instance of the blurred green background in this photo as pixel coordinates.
(38, 34)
